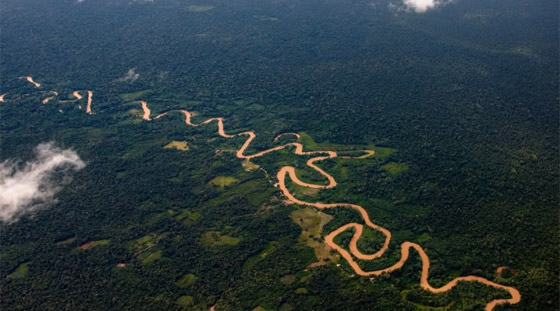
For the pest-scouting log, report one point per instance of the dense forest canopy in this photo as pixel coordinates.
(458, 103)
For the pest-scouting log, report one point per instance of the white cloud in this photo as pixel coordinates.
(33, 185)
(130, 76)
(421, 6)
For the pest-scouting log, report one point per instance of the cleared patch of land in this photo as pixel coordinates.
(135, 112)
(199, 8)
(215, 238)
(222, 181)
(265, 18)
(20, 272)
(394, 168)
(185, 301)
(382, 153)
(186, 216)
(250, 166)
(134, 95)
(187, 280)
(179, 145)
(288, 279)
(150, 256)
(145, 248)
(251, 262)
(311, 222)
(146, 242)
(93, 244)
(66, 241)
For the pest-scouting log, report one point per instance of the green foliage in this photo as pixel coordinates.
(178, 145)
(222, 181)
(466, 95)
(383, 153)
(145, 242)
(288, 279)
(184, 301)
(93, 244)
(20, 272)
(187, 280)
(150, 256)
(215, 238)
(67, 241)
(134, 95)
(199, 8)
(395, 168)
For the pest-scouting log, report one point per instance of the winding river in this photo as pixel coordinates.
(77, 95)
(30, 79)
(89, 99)
(290, 172)
(329, 239)
(146, 110)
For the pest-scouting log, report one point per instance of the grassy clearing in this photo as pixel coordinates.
(222, 181)
(20, 272)
(249, 166)
(215, 238)
(187, 216)
(199, 8)
(187, 280)
(93, 244)
(150, 256)
(288, 279)
(145, 248)
(134, 95)
(179, 145)
(265, 18)
(286, 307)
(383, 153)
(394, 168)
(144, 243)
(302, 192)
(311, 222)
(184, 301)
(135, 112)
(251, 262)
(66, 241)
(423, 238)
(256, 107)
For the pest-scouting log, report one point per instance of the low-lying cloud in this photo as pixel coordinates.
(421, 6)
(25, 188)
(130, 76)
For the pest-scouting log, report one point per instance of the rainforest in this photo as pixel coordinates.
(279, 155)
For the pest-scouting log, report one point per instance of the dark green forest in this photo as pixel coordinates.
(460, 104)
